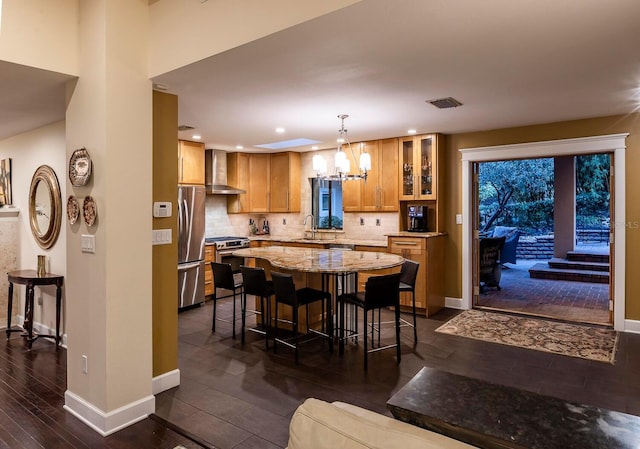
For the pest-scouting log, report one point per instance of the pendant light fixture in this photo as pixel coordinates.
(342, 165)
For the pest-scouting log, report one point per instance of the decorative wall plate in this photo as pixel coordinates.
(79, 167)
(73, 209)
(89, 211)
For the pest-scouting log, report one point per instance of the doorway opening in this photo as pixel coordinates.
(612, 143)
(543, 237)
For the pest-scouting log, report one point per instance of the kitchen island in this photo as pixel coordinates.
(325, 269)
(315, 260)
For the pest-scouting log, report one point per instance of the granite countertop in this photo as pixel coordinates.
(493, 416)
(315, 260)
(425, 235)
(328, 241)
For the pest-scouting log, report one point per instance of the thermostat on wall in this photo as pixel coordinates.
(162, 209)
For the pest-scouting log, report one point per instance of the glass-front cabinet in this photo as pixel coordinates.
(418, 168)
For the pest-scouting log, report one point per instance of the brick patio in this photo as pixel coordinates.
(571, 301)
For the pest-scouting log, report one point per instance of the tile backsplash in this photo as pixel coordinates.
(219, 223)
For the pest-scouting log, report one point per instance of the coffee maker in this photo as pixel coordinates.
(417, 218)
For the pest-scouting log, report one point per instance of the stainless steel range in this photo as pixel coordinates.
(228, 243)
(225, 246)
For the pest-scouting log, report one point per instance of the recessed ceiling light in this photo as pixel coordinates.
(411, 131)
(196, 137)
(315, 147)
(239, 147)
(280, 130)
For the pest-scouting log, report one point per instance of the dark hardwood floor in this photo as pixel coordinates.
(32, 386)
(235, 396)
(241, 397)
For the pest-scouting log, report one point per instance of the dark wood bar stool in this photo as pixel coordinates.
(408, 275)
(255, 283)
(380, 292)
(223, 277)
(286, 293)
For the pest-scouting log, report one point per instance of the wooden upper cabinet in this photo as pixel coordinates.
(380, 192)
(272, 182)
(418, 167)
(285, 182)
(238, 176)
(190, 162)
(352, 190)
(259, 182)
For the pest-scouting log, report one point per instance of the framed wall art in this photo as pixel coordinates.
(5, 182)
(79, 167)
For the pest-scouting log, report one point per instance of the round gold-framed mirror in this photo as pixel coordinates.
(45, 206)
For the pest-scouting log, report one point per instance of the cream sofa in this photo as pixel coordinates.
(320, 425)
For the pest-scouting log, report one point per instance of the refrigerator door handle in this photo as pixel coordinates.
(188, 266)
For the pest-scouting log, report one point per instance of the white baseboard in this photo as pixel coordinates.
(453, 303)
(42, 329)
(632, 326)
(107, 423)
(165, 381)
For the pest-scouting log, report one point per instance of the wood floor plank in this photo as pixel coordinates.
(32, 387)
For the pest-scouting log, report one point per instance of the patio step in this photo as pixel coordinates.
(588, 257)
(544, 271)
(566, 264)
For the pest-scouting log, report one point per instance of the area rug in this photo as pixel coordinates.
(573, 340)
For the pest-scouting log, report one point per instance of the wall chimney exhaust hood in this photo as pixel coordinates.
(215, 173)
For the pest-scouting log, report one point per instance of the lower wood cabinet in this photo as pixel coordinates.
(429, 253)
(209, 256)
(363, 276)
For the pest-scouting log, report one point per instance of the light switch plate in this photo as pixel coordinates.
(88, 243)
(458, 218)
(161, 237)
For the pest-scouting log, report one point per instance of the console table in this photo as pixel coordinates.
(30, 279)
(492, 416)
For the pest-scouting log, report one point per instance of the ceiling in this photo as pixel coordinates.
(510, 63)
(30, 98)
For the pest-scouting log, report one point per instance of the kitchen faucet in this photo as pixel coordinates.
(313, 225)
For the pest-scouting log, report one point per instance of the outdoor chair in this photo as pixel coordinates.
(512, 236)
(490, 264)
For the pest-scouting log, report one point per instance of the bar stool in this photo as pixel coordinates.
(223, 277)
(380, 292)
(408, 275)
(286, 293)
(255, 283)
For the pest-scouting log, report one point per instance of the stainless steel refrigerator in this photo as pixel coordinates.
(191, 230)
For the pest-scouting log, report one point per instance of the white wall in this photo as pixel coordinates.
(43, 146)
(183, 32)
(40, 33)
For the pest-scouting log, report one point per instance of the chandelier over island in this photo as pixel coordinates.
(342, 164)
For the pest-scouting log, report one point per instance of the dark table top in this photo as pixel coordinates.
(494, 416)
(32, 277)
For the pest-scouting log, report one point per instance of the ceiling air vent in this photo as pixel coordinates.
(445, 103)
(185, 128)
